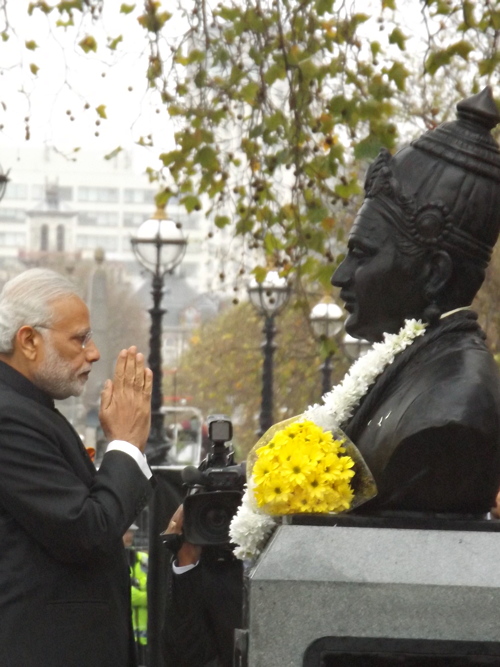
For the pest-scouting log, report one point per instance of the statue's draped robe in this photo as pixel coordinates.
(429, 427)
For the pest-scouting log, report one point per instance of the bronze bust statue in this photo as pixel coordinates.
(429, 427)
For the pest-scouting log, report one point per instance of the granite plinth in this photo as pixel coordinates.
(374, 583)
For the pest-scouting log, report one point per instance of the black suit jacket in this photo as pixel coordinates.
(202, 609)
(64, 578)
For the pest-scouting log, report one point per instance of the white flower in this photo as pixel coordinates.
(250, 527)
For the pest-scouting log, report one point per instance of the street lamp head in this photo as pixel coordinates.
(159, 244)
(271, 295)
(326, 319)
(354, 347)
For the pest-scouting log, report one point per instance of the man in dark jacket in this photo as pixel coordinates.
(203, 604)
(64, 579)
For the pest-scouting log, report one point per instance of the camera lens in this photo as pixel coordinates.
(207, 516)
(217, 518)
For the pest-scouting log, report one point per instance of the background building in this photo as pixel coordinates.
(74, 205)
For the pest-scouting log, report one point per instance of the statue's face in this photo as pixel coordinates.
(380, 286)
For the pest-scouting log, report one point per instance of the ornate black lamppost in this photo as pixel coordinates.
(4, 179)
(159, 246)
(326, 320)
(269, 298)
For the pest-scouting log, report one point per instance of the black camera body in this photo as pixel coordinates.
(214, 490)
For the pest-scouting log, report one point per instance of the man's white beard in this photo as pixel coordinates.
(56, 376)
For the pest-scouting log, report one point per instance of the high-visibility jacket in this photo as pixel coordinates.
(139, 578)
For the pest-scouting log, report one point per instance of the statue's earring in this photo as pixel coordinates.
(432, 312)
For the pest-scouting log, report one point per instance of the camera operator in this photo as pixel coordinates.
(204, 600)
(204, 593)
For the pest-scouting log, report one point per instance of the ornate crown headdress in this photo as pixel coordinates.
(457, 160)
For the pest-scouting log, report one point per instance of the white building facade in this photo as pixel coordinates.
(56, 204)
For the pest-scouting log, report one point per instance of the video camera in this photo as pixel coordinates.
(215, 488)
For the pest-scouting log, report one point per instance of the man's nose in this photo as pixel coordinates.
(92, 354)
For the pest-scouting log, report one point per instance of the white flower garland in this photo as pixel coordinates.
(251, 527)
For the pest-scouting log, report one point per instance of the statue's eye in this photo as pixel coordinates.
(358, 252)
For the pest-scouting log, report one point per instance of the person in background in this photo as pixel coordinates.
(138, 561)
(203, 603)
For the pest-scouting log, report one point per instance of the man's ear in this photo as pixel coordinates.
(439, 269)
(27, 342)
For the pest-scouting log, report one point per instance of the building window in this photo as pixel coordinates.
(92, 241)
(12, 215)
(44, 237)
(139, 196)
(98, 218)
(12, 239)
(39, 192)
(94, 194)
(16, 191)
(60, 231)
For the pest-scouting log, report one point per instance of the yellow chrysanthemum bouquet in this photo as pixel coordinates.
(302, 469)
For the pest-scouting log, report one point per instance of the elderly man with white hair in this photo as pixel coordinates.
(64, 578)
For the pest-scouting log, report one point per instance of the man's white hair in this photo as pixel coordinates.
(27, 300)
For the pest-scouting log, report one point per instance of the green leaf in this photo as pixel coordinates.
(249, 92)
(397, 37)
(461, 49)
(260, 273)
(275, 71)
(436, 60)
(126, 9)
(495, 20)
(191, 203)
(101, 111)
(207, 158)
(88, 44)
(324, 7)
(222, 221)
(113, 153)
(317, 213)
(230, 15)
(34, 68)
(196, 56)
(468, 9)
(398, 73)
(31, 45)
(367, 149)
(113, 43)
(348, 190)
(41, 5)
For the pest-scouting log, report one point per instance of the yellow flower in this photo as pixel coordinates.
(302, 469)
(297, 467)
(277, 491)
(263, 469)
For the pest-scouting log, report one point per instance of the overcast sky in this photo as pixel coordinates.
(54, 100)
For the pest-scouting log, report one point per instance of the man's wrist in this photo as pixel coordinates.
(134, 452)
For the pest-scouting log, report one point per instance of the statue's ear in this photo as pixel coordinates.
(438, 274)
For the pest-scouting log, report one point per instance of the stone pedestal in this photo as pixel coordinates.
(376, 589)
